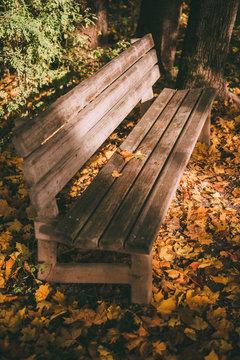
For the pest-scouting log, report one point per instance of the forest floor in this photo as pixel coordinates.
(195, 309)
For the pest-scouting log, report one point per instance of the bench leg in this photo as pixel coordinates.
(204, 136)
(47, 258)
(141, 279)
(146, 101)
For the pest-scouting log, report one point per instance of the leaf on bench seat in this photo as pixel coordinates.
(116, 174)
(129, 156)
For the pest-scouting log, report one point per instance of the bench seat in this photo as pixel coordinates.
(124, 213)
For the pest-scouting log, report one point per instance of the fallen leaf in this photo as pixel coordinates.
(127, 155)
(173, 274)
(190, 333)
(211, 356)
(5, 209)
(42, 292)
(159, 347)
(14, 225)
(116, 174)
(166, 307)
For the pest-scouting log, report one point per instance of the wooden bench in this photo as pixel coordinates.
(120, 214)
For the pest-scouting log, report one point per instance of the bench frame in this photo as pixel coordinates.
(117, 83)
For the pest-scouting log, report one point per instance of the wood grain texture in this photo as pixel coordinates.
(87, 203)
(131, 206)
(141, 129)
(91, 273)
(204, 136)
(90, 235)
(63, 143)
(54, 181)
(145, 230)
(31, 135)
(141, 279)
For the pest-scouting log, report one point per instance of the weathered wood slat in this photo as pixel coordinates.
(90, 235)
(145, 230)
(91, 273)
(134, 139)
(54, 181)
(141, 276)
(85, 205)
(34, 132)
(41, 161)
(128, 212)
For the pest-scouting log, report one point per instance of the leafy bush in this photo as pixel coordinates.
(39, 42)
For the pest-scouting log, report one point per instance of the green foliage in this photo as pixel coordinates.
(112, 52)
(38, 39)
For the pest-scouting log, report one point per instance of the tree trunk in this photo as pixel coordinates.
(206, 44)
(97, 33)
(161, 19)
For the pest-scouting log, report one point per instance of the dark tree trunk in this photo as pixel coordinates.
(98, 32)
(161, 18)
(206, 44)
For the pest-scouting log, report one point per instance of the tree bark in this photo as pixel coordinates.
(161, 19)
(206, 44)
(97, 33)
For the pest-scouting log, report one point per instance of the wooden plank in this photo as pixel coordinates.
(128, 212)
(204, 137)
(41, 161)
(141, 279)
(134, 139)
(50, 210)
(51, 184)
(90, 235)
(91, 273)
(145, 230)
(89, 200)
(30, 136)
(86, 204)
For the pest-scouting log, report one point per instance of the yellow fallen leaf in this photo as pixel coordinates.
(2, 298)
(9, 265)
(127, 155)
(42, 292)
(166, 307)
(116, 174)
(199, 323)
(211, 356)
(28, 334)
(24, 250)
(104, 353)
(14, 225)
(5, 209)
(59, 297)
(139, 155)
(220, 279)
(5, 240)
(159, 347)
(112, 336)
(190, 333)
(166, 253)
(173, 274)
(113, 312)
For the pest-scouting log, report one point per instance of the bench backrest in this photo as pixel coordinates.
(58, 142)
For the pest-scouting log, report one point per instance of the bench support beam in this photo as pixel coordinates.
(146, 101)
(204, 136)
(141, 279)
(90, 273)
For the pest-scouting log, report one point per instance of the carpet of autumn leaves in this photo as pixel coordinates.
(196, 294)
(195, 309)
